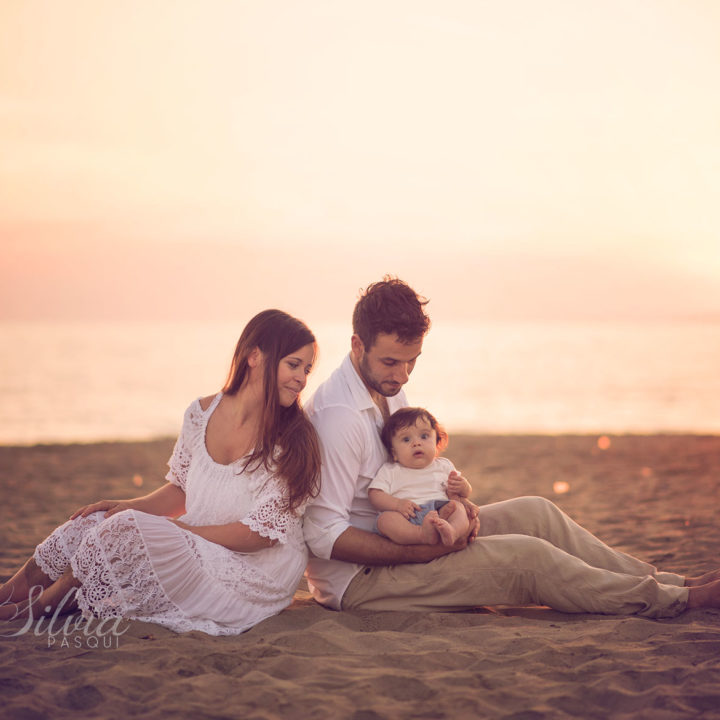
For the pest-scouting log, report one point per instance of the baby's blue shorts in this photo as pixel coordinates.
(425, 508)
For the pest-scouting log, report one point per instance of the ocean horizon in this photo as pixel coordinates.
(89, 382)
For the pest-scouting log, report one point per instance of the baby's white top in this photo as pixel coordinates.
(420, 486)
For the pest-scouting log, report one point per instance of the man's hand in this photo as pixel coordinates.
(474, 529)
(470, 507)
(462, 542)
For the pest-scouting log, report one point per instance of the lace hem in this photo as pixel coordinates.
(116, 574)
(261, 527)
(119, 580)
(50, 560)
(53, 554)
(270, 516)
(181, 624)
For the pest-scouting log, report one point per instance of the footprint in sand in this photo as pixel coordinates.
(82, 698)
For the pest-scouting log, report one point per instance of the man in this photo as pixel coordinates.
(527, 551)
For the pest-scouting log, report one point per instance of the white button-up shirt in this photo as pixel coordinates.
(348, 423)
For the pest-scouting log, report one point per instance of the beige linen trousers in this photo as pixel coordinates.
(528, 552)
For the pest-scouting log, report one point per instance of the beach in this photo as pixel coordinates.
(654, 496)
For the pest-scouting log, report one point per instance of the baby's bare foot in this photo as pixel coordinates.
(445, 530)
(427, 530)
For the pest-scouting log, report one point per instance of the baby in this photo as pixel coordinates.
(422, 498)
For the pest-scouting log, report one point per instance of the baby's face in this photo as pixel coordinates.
(415, 446)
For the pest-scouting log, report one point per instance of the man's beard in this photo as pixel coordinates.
(372, 383)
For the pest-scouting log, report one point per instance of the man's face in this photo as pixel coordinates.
(386, 367)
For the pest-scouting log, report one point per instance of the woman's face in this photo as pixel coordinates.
(292, 374)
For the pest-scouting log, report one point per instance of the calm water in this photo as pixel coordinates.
(99, 382)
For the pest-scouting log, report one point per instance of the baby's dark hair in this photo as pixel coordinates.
(407, 417)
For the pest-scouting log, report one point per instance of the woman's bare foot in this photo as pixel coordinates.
(708, 577)
(428, 533)
(17, 588)
(447, 533)
(9, 611)
(14, 611)
(59, 597)
(704, 596)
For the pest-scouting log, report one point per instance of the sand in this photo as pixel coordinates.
(654, 496)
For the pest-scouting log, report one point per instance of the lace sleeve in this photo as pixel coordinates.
(179, 461)
(269, 516)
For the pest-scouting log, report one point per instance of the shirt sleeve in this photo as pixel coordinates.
(179, 461)
(342, 440)
(269, 515)
(383, 479)
(446, 465)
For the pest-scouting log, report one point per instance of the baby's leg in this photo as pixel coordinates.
(452, 522)
(395, 526)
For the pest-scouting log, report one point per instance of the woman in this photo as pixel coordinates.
(244, 466)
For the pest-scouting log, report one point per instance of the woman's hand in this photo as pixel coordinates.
(180, 524)
(110, 506)
(234, 536)
(166, 500)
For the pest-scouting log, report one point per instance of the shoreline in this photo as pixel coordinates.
(465, 436)
(654, 496)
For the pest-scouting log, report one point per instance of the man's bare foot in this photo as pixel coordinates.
(428, 533)
(447, 533)
(704, 596)
(708, 577)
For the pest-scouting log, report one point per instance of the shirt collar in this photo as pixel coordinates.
(360, 393)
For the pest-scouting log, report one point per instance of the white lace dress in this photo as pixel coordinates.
(141, 566)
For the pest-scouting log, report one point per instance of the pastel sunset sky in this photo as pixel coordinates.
(514, 159)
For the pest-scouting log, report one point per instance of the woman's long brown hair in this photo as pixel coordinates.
(287, 442)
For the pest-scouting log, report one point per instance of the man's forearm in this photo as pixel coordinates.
(366, 548)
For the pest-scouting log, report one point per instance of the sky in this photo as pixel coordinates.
(513, 160)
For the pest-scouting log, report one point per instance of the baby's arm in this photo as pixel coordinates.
(457, 486)
(384, 501)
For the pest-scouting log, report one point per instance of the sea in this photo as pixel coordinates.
(68, 383)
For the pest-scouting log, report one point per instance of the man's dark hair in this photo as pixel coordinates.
(390, 306)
